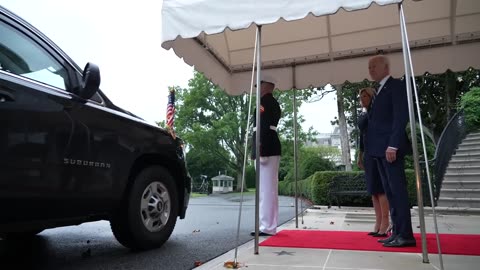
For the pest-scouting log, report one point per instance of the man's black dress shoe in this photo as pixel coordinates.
(260, 234)
(389, 239)
(401, 242)
(372, 233)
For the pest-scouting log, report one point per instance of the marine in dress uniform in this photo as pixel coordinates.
(270, 151)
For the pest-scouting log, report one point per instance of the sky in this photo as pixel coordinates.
(124, 39)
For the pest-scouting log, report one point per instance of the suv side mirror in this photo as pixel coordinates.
(90, 81)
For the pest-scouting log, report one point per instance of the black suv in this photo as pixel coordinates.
(68, 155)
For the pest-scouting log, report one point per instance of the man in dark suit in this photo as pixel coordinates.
(387, 143)
(270, 151)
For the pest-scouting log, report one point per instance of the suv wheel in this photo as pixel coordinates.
(149, 213)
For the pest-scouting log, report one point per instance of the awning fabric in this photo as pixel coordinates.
(310, 43)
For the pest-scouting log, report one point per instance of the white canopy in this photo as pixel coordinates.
(309, 43)
(315, 42)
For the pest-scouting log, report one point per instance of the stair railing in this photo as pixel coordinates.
(452, 135)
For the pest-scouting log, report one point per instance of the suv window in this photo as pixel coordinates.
(22, 56)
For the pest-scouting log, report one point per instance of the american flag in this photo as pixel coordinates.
(171, 108)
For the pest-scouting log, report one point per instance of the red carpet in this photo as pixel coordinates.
(457, 244)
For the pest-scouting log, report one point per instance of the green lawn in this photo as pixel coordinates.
(196, 195)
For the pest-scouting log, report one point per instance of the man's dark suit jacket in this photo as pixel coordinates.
(388, 119)
(270, 113)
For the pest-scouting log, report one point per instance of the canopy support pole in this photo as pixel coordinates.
(412, 126)
(257, 137)
(250, 97)
(295, 147)
(408, 82)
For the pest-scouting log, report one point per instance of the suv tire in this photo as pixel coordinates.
(149, 211)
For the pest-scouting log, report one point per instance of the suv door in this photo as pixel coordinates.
(36, 129)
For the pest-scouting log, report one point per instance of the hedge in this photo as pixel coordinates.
(316, 188)
(304, 188)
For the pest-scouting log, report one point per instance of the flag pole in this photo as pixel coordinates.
(171, 111)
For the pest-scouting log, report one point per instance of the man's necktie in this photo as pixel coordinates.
(376, 86)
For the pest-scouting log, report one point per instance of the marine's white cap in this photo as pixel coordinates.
(268, 78)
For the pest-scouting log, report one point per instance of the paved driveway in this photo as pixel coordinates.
(208, 231)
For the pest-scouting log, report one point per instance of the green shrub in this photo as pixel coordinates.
(250, 176)
(288, 188)
(311, 159)
(411, 187)
(314, 164)
(320, 189)
(470, 103)
(412, 190)
(316, 188)
(284, 188)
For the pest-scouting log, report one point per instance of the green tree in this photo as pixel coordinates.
(438, 94)
(320, 158)
(204, 163)
(214, 123)
(470, 103)
(313, 159)
(286, 130)
(352, 107)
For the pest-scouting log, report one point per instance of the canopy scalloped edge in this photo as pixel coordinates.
(169, 6)
(433, 60)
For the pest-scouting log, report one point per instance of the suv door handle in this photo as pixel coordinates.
(6, 96)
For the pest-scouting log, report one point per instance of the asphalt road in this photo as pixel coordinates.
(208, 231)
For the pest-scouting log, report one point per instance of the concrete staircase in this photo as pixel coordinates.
(461, 185)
